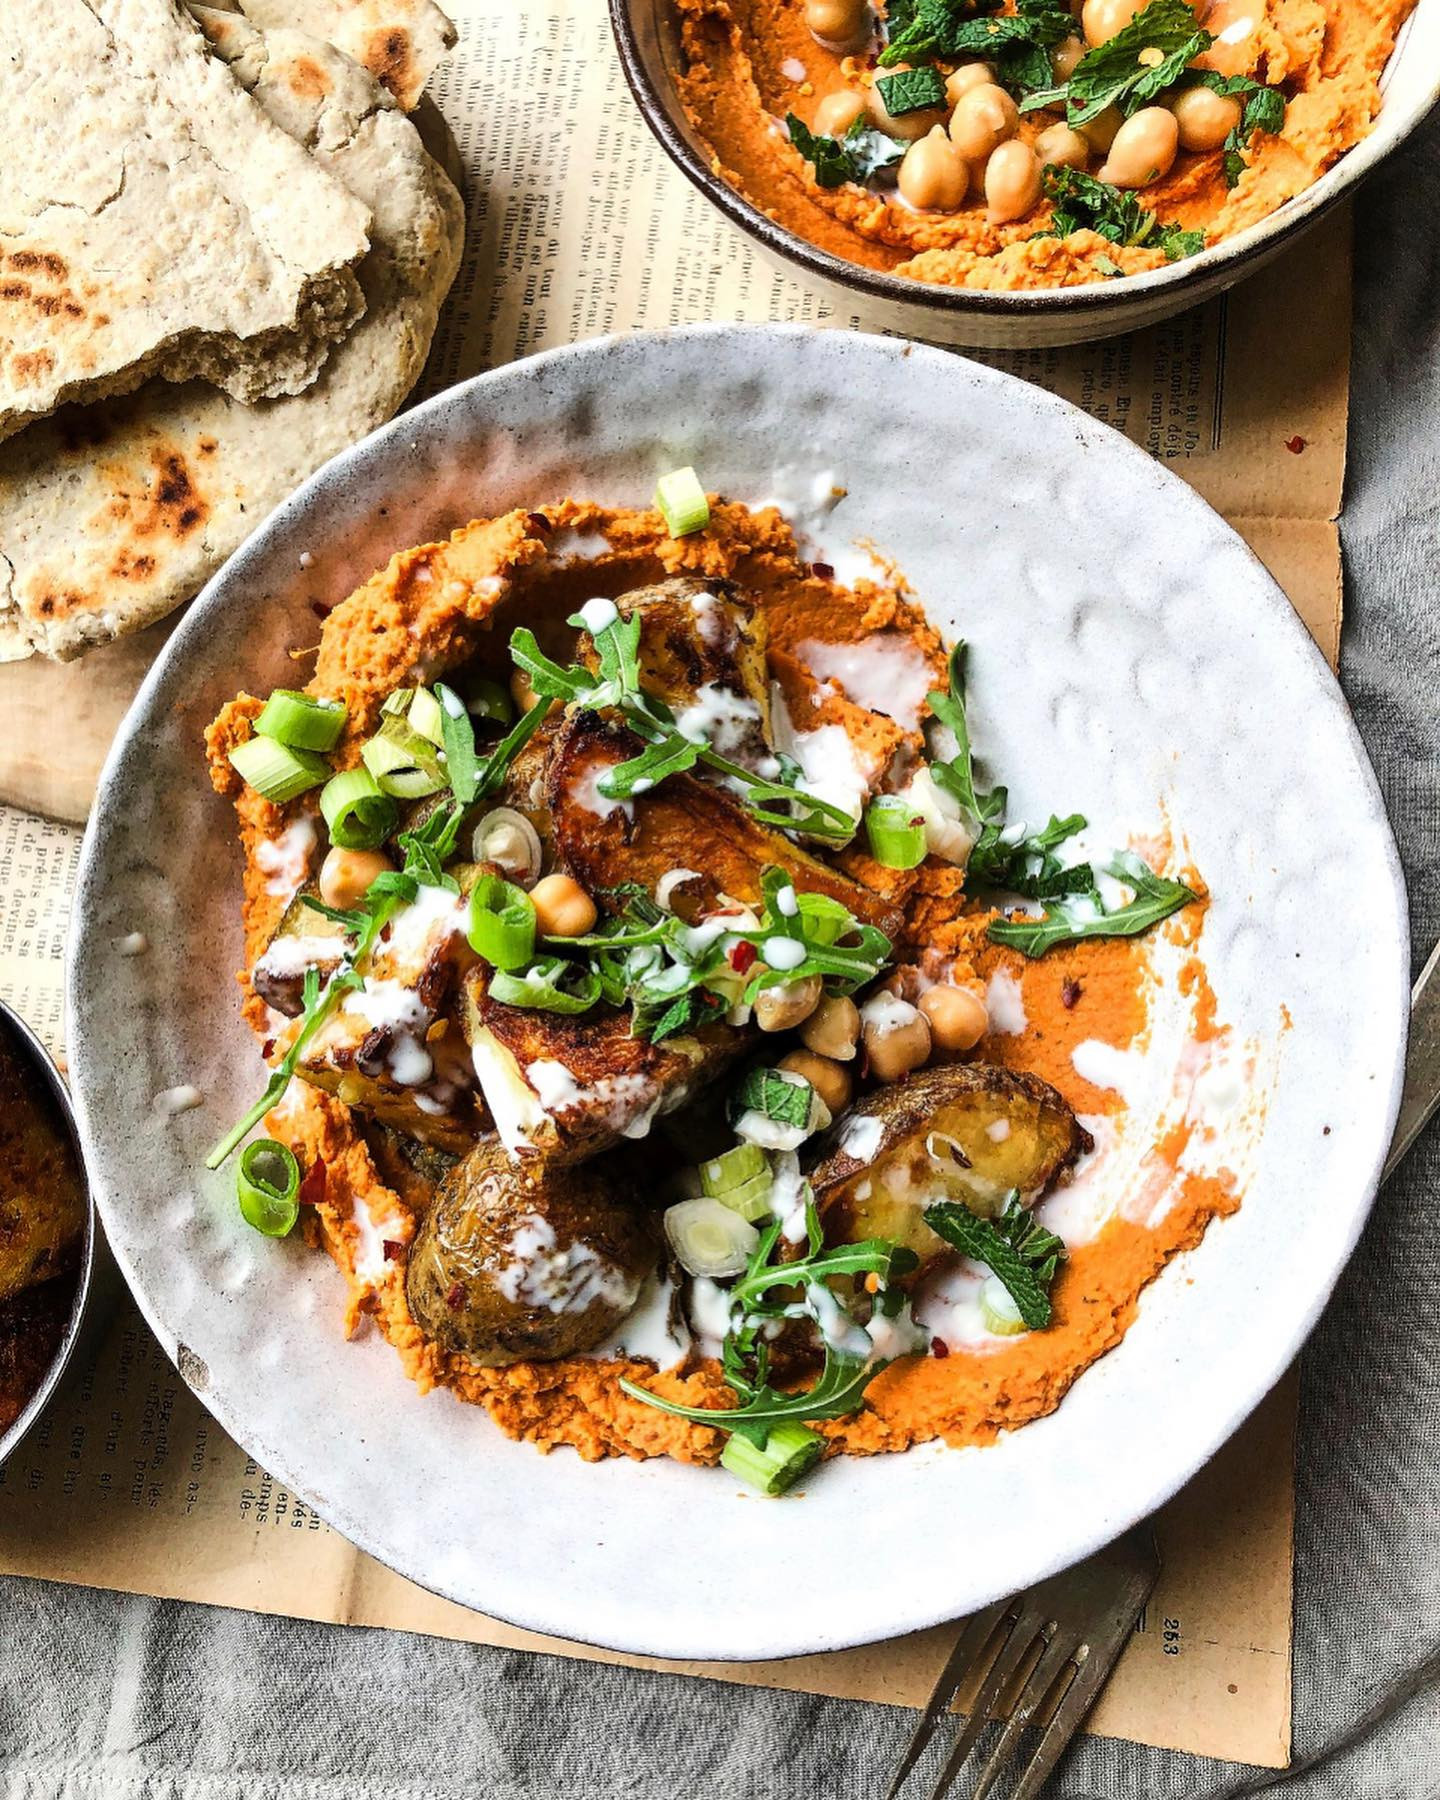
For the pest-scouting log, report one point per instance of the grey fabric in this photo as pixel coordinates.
(103, 1696)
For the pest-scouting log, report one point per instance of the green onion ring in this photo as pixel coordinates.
(502, 924)
(358, 815)
(896, 832)
(277, 771)
(267, 1180)
(301, 721)
(540, 987)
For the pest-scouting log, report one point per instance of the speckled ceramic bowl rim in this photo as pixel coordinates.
(391, 442)
(1230, 259)
(43, 1065)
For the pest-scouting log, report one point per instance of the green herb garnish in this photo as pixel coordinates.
(1015, 1247)
(1264, 110)
(1112, 74)
(911, 90)
(1017, 46)
(1068, 921)
(861, 153)
(919, 29)
(1083, 203)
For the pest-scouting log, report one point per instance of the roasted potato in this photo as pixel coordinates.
(304, 939)
(683, 823)
(968, 1132)
(566, 1086)
(521, 1262)
(702, 651)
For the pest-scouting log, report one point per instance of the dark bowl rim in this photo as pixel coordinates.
(33, 1050)
(1225, 263)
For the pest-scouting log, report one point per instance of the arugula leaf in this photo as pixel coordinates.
(1083, 203)
(1068, 921)
(548, 678)
(1025, 862)
(839, 1391)
(1015, 1247)
(666, 756)
(911, 90)
(462, 766)
(861, 153)
(1112, 74)
(618, 647)
(957, 776)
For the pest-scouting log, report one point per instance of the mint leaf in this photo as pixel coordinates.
(912, 90)
(1264, 110)
(1015, 1247)
(1112, 74)
(1083, 203)
(855, 157)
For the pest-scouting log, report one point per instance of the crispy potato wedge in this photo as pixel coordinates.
(566, 1086)
(304, 939)
(702, 646)
(524, 1261)
(968, 1132)
(683, 823)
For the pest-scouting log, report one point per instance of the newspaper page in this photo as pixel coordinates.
(579, 225)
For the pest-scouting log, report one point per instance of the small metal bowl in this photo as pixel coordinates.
(647, 33)
(20, 1038)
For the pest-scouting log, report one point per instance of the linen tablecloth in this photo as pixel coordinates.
(104, 1697)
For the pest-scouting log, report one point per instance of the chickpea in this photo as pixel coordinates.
(787, 1004)
(897, 1040)
(345, 875)
(1144, 148)
(957, 1017)
(933, 177)
(562, 907)
(1100, 20)
(839, 24)
(521, 691)
(967, 76)
(1205, 118)
(1065, 56)
(832, 1029)
(982, 120)
(1100, 131)
(1063, 146)
(837, 112)
(907, 128)
(831, 1082)
(1012, 182)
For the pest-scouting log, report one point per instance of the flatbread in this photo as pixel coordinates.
(401, 42)
(153, 219)
(112, 514)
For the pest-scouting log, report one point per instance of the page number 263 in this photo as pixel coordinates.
(1170, 1636)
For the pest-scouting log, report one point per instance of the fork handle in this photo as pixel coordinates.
(1421, 1093)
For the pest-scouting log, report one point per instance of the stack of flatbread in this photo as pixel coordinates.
(223, 250)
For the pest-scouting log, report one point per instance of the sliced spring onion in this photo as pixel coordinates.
(502, 924)
(358, 815)
(424, 716)
(751, 1199)
(708, 1238)
(487, 699)
(789, 1452)
(402, 762)
(550, 985)
(824, 920)
(277, 771)
(896, 832)
(733, 1169)
(301, 721)
(998, 1310)
(508, 839)
(682, 502)
(397, 705)
(267, 1180)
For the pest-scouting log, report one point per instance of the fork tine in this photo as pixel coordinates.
(1012, 1654)
(1095, 1658)
(1037, 1689)
(972, 1640)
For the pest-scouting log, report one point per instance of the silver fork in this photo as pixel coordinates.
(1038, 1659)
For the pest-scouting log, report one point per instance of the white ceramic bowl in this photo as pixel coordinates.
(647, 34)
(1128, 650)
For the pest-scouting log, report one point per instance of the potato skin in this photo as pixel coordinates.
(881, 1189)
(682, 823)
(525, 1262)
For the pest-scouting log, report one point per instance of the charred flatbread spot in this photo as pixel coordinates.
(308, 80)
(390, 58)
(30, 363)
(14, 290)
(44, 261)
